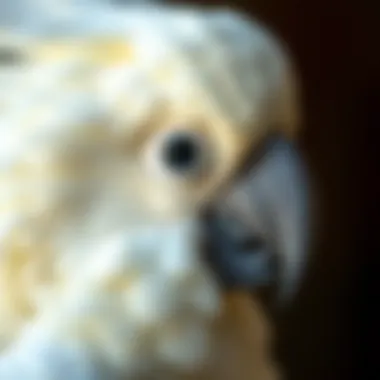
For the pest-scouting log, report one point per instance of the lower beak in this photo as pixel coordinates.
(259, 228)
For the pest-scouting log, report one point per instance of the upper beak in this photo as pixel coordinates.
(261, 221)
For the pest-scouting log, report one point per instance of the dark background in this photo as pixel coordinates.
(330, 332)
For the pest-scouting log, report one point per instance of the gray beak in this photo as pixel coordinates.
(259, 229)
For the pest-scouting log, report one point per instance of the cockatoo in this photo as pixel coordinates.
(147, 185)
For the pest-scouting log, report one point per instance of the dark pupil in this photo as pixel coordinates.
(181, 153)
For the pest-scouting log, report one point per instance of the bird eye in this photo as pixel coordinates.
(182, 152)
(179, 153)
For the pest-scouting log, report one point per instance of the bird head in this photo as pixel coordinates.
(147, 172)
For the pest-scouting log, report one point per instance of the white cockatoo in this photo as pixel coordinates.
(147, 183)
